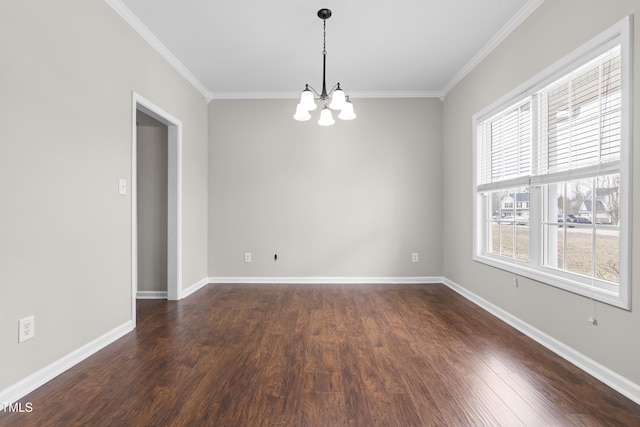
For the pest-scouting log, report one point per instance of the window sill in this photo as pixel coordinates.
(559, 279)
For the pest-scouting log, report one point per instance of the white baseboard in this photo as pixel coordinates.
(614, 380)
(193, 288)
(46, 374)
(602, 373)
(328, 280)
(164, 294)
(151, 295)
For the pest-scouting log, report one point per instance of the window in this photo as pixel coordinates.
(552, 171)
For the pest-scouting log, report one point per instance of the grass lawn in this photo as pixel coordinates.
(574, 249)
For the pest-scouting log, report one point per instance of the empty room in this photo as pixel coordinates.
(319, 213)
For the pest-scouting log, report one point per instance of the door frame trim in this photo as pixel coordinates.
(174, 198)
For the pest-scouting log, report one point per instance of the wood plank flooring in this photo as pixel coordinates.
(323, 355)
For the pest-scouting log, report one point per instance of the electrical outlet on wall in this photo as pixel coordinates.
(415, 257)
(247, 257)
(26, 328)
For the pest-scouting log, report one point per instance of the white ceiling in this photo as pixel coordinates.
(266, 49)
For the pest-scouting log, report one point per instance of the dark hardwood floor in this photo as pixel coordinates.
(323, 355)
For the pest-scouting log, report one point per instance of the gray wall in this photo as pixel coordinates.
(354, 200)
(152, 161)
(67, 76)
(351, 200)
(554, 30)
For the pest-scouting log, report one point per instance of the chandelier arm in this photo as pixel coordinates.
(313, 90)
(336, 86)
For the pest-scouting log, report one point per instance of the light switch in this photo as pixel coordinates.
(122, 186)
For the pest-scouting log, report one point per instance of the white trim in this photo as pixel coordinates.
(626, 155)
(131, 19)
(328, 280)
(352, 95)
(393, 94)
(195, 287)
(619, 33)
(133, 190)
(564, 280)
(27, 385)
(589, 50)
(174, 202)
(135, 23)
(174, 213)
(614, 380)
(524, 12)
(151, 295)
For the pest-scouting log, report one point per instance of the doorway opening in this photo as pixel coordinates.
(165, 149)
(152, 206)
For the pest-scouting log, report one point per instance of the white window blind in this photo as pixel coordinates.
(583, 116)
(506, 145)
(570, 124)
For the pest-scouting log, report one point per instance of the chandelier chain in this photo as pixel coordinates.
(324, 37)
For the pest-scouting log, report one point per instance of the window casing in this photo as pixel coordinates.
(552, 174)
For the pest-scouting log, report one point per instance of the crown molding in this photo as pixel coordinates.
(524, 12)
(126, 14)
(396, 94)
(352, 95)
(254, 95)
(147, 35)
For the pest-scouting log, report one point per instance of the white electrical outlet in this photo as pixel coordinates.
(415, 257)
(247, 257)
(26, 328)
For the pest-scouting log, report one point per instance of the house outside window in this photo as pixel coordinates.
(552, 174)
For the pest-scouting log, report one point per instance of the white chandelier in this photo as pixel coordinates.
(335, 99)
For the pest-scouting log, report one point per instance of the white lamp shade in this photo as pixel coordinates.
(307, 101)
(347, 112)
(337, 100)
(302, 114)
(326, 118)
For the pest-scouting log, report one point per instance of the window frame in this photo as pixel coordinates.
(618, 34)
